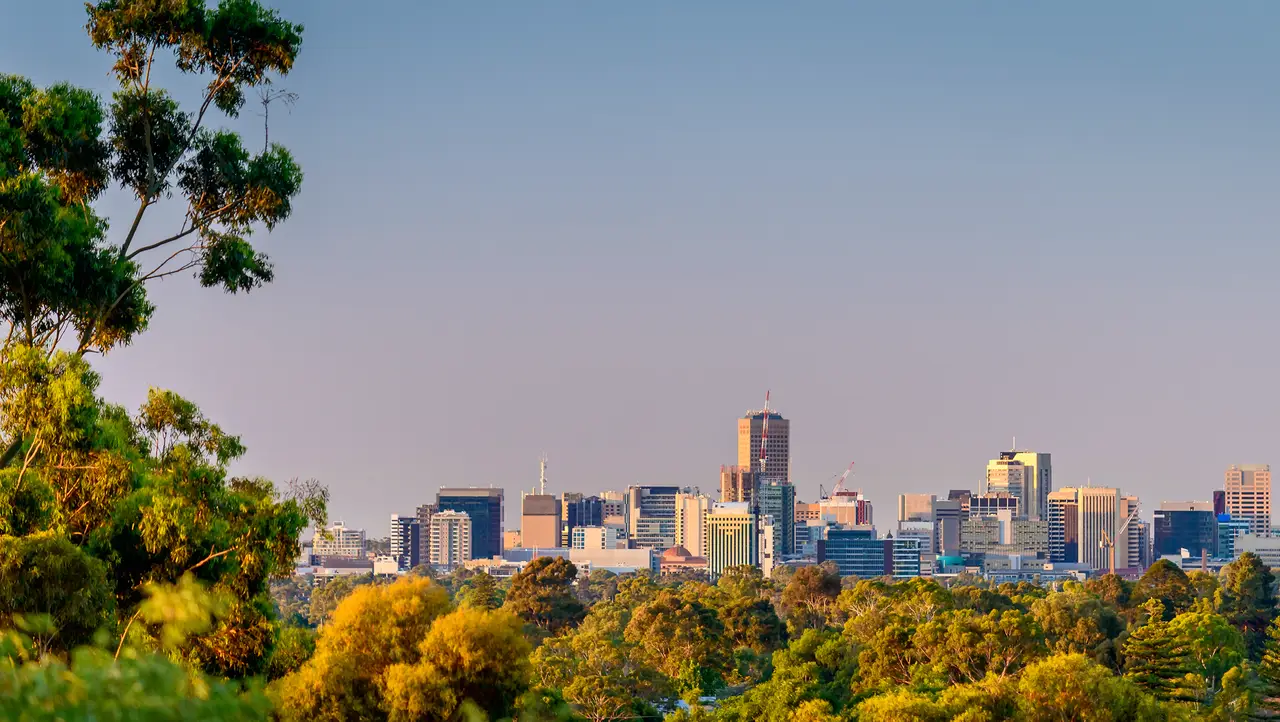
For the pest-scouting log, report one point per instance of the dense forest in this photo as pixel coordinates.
(140, 580)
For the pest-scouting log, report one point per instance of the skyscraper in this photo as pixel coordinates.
(1064, 525)
(1134, 538)
(539, 521)
(1190, 525)
(1099, 513)
(1248, 488)
(778, 446)
(651, 516)
(915, 507)
(737, 483)
(405, 540)
(731, 536)
(947, 515)
(424, 512)
(778, 499)
(1027, 475)
(577, 509)
(484, 508)
(451, 538)
(691, 510)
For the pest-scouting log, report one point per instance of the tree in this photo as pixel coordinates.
(45, 574)
(1156, 656)
(1212, 648)
(1075, 622)
(1110, 588)
(1166, 582)
(681, 639)
(294, 646)
(753, 624)
(598, 670)
(542, 595)
(374, 628)
(809, 599)
(1248, 599)
(326, 597)
(1070, 687)
(966, 647)
(480, 591)
(471, 656)
(1268, 669)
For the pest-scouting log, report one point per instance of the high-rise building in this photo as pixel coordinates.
(1248, 496)
(923, 533)
(1229, 532)
(1190, 525)
(539, 521)
(947, 516)
(1099, 514)
(339, 541)
(484, 508)
(651, 516)
(915, 507)
(451, 538)
(1064, 525)
(1134, 536)
(994, 502)
(857, 552)
(1219, 501)
(730, 534)
(778, 499)
(424, 513)
(906, 561)
(737, 484)
(769, 544)
(691, 510)
(1037, 480)
(405, 540)
(846, 507)
(1005, 475)
(579, 510)
(777, 448)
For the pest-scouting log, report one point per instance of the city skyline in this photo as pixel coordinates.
(603, 231)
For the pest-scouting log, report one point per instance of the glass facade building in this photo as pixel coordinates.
(484, 508)
(1178, 529)
(858, 553)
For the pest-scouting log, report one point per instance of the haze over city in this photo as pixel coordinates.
(603, 231)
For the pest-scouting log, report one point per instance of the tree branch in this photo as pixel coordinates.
(125, 635)
(210, 558)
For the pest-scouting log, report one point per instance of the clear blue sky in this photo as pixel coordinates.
(602, 230)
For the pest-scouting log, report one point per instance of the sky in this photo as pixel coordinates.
(603, 230)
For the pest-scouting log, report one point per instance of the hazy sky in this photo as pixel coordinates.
(603, 230)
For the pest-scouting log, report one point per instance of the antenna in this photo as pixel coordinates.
(542, 473)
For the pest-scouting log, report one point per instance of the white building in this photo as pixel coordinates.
(450, 538)
(595, 537)
(339, 541)
(1098, 514)
(691, 511)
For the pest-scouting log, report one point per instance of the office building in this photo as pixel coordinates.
(1037, 481)
(994, 502)
(1267, 549)
(405, 540)
(596, 537)
(737, 484)
(339, 541)
(691, 510)
(1219, 501)
(858, 553)
(1190, 525)
(1248, 496)
(906, 558)
(540, 521)
(769, 544)
(846, 508)
(651, 516)
(1133, 535)
(923, 533)
(1229, 531)
(730, 537)
(451, 539)
(578, 510)
(484, 508)
(916, 507)
(1064, 526)
(1099, 518)
(1006, 476)
(778, 499)
(947, 515)
(778, 446)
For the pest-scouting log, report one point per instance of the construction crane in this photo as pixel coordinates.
(1107, 543)
(839, 487)
(764, 436)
